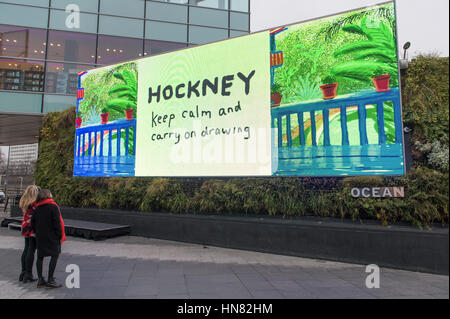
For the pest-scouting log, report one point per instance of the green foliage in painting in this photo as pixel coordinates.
(275, 88)
(329, 79)
(374, 56)
(125, 94)
(110, 91)
(384, 13)
(299, 78)
(348, 49)
(304, 88)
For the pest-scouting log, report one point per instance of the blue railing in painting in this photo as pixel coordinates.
(343, 102)
(85, 134)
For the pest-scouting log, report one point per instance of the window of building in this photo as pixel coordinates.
(158, 47)
(58, 21)
(128, 8)
(240, 5)
(20, 102)
(22, 42)
(23, 16)
(166, 12)
(121, 27)
(62, 77)
(234, 33)
(39, 3)
(115, 49)
(56, 103)
(68, 46)
(174, 1)
(165, 31)
(239, 21)
(208, 17)
(84, 5)
(201, 35)
(216, 4)
(21, 75)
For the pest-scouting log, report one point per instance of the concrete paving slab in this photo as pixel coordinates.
(141, 268)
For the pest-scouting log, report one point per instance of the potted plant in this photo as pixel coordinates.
(78, 120)
(381, 81)
(129, 114)
(329, 88)
(275, 96)
(104, 115)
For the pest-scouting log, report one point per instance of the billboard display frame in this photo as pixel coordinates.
(185, 50)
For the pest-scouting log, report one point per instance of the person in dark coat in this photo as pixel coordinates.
(48, 225)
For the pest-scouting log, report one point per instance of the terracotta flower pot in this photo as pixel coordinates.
(129, 114)
(276, 99)
(329, 91)
(104, 117)
(78, 122)
(382, 83)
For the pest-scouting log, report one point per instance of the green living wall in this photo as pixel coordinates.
(425, 99)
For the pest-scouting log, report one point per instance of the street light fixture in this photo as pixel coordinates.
(404, 62)
(406, 46)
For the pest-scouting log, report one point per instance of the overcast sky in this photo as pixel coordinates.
(425, 23)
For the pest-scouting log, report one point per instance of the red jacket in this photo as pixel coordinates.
(27, 231)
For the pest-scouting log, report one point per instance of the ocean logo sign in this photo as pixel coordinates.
(319, 98)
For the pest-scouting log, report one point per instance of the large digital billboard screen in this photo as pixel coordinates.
(319, 98)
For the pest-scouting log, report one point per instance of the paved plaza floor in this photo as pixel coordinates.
(134, 267)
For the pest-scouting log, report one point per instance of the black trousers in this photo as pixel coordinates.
(28, 255)
(51, 266)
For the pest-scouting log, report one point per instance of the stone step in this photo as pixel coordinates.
(14, 226)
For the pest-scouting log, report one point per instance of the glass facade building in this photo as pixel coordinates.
(45, 43)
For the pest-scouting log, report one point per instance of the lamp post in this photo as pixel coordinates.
(404, 64)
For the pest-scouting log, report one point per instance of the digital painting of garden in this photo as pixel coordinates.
(328, 63)
(109, 105)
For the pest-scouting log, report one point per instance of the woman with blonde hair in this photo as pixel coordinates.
(28, 204)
